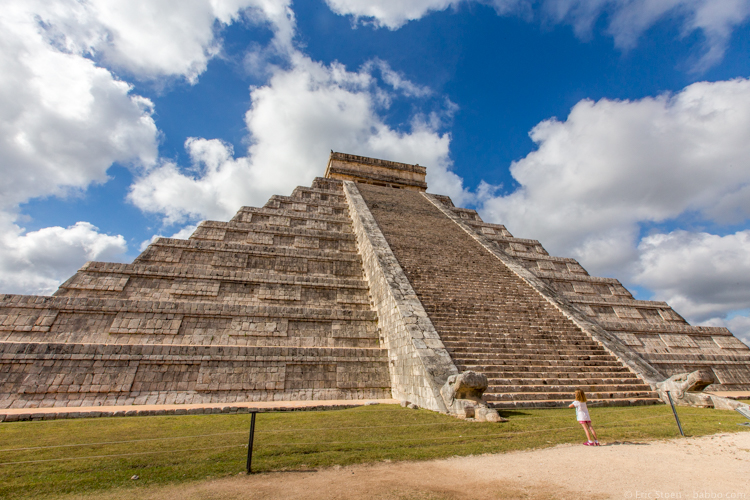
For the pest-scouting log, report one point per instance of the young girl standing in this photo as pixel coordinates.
(582, 415)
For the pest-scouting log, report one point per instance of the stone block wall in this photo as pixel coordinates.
(307, 298)
(272, 305)
(59, 375)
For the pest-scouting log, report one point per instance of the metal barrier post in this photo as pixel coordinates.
(250, 442)
(679, 425)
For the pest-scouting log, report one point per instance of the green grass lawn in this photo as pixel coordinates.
(173, 449)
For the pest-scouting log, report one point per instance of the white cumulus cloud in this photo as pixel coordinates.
(627, 19)
(393, 14)
(294, 121)
(701, 275)
(36, 262)
(614, 164)
(63, 120)
(65, 117)
(151, 38)
(389, 13)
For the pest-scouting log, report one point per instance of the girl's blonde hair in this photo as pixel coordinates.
(580, 396)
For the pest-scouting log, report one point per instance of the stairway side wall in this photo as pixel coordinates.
(418, 361)
(611, 343)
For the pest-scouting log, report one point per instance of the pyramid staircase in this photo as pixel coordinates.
(358, 287)
(652, 329)
(491, 321)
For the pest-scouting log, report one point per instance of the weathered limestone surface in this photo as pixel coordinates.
(377, 172)
(418, 361)
(686, 389)
(491, 321)
(269, 306)
(462, 395)
(652, 329)
(52, 374)
(611, 343)
(358, 287)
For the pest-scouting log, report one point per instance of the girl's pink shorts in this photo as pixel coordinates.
(584, 421)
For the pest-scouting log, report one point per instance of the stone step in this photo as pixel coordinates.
(249, 257)
(460, 350)
(564, 396)
(290, 218)
(556, 403)
(320, 189)
(486, 330)
(226, 248)
(280, 236)
(520, 345)
(258, 292)
(521, 366)
(508, 356)
(514, 338)
(509, 315)
(540, 376)
(297, 204)
(570, 388)
(53, 305)
(458, 345)
(497, 380)
(198, 272)
(323, 183)
(501, 322)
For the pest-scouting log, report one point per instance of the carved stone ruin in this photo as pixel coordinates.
(361, 286)
(462, 395)
(686, 389)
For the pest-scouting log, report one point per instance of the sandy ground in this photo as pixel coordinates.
(710, 467)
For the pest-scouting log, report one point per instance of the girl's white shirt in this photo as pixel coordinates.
(582, 411)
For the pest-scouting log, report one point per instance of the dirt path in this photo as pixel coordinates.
(709, 467)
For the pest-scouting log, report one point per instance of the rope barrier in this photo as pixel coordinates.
(117, 442)
(273, 431)
(505, 435)
(122, 455)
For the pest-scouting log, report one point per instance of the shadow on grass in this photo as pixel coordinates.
(512, 413)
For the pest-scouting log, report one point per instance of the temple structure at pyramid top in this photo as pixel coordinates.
(361, 286)
(376, 172)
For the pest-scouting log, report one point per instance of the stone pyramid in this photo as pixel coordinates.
(362, 286)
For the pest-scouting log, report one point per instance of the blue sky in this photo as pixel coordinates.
(616, 132)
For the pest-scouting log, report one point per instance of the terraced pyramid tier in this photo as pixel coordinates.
(490, 320)
(652, 329)
(271, 305)
(358, 287)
